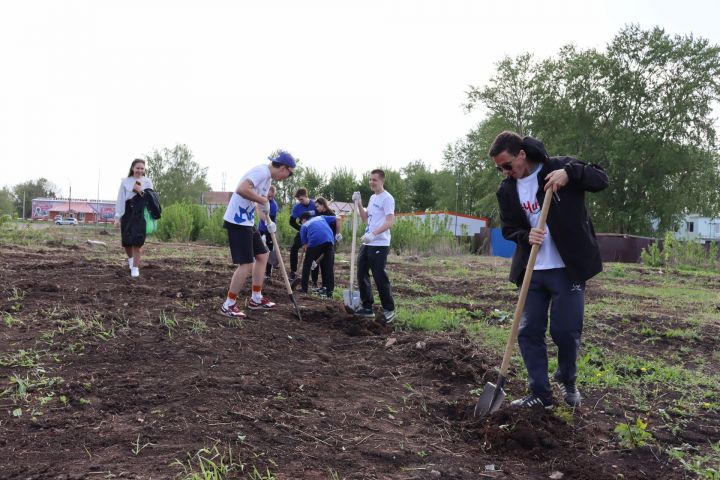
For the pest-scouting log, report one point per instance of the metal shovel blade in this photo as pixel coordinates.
(490, 400)
(352, 300)
(296, 309)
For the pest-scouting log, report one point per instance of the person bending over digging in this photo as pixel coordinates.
(318, 237)
(304, 204)
(246, 246)
(568, 255)
(380, 217)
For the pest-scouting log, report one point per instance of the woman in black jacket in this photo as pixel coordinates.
(130, 213)
(568, 255)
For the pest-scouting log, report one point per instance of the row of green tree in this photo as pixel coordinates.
(642, 108)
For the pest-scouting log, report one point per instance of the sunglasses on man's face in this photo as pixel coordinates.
(507, 166)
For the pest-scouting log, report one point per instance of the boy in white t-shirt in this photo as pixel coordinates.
(246, 246)
(380, 217)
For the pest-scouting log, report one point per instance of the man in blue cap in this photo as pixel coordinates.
(246, 245)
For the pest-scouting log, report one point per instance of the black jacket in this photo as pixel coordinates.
(568, 219)
(152, 202)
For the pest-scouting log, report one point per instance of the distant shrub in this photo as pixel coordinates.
(411, 235)
(176, 223)
(681, 253)
(213, 231)
(200, 219)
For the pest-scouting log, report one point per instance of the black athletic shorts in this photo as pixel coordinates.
(245, 243)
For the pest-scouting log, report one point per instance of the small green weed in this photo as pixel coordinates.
(633, 435)
(209, 464)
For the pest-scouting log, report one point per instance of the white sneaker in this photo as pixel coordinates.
(130, 262)
(134, 272)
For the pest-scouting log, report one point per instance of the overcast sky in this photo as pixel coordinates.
(86, 86)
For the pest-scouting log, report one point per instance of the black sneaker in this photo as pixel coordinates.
(532, 400)
(293, 276)
(389, 316)
(365, 312)
(569, 392)
(320, 291)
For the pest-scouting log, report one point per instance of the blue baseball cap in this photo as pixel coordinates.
(284, 158)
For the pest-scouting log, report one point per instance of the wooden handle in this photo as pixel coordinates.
(525, 286)
(352, 250)
(276, 247)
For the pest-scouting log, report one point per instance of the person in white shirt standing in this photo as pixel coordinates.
(129, 213)
(246, 246)
(380, 217)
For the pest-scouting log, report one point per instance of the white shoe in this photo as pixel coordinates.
(134, 272)
(130, 262)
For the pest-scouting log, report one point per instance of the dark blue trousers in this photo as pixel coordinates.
(553, 290)
(373, 259)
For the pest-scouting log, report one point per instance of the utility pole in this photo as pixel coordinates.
(97, 203)
(23, 204)
(224, 175)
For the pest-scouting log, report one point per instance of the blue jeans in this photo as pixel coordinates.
(551, 289)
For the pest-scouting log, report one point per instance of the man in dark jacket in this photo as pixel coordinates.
(568, 255)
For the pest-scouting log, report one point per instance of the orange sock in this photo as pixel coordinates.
(256, 293)
(232, 296)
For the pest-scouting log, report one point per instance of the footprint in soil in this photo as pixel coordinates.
(363, 327)
(522, 429)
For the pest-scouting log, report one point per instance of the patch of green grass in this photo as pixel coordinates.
(11, 321)
(210, 464)
(432, 319)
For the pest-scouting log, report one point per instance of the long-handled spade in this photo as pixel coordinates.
(351, 297)
(281, 262)
(493, 395)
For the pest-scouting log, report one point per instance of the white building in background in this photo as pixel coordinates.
(459, 224)
(697, 227)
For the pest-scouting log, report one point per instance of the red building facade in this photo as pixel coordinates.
(86, 211)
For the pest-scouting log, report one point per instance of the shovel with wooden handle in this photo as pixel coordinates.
(301, 260)
(351, 297)
(281, 262)
(493, 395)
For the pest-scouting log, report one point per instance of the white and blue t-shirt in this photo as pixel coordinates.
(380, 206)
(318, 230)
(241, 211)
(548, 256)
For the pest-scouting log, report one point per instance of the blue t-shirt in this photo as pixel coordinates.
(273, 215)
(299, 209)
(316, 231)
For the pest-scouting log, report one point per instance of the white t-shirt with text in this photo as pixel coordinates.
(241, 211)
(548, 256)
(126, 192)
(379, 207)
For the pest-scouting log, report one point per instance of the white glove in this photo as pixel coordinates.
(356, 197)
(313, 265)
(338, 237)
(271, 227)
(368, 238)
(265, 208)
